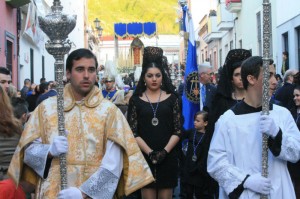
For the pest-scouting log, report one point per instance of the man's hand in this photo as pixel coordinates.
(69, 193)
(258, 184)
(59, 146)
(268, 126)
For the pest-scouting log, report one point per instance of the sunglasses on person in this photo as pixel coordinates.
(108, 81)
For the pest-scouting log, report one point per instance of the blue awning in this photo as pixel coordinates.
(135, 29)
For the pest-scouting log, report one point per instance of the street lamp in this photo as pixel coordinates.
(98, 26)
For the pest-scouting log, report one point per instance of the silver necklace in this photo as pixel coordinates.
(194, 157)
(154, 120)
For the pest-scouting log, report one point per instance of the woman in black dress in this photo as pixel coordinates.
(230, 88)
(154, 115)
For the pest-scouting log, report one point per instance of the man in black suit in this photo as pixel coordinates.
(285, 93)
(207, 89)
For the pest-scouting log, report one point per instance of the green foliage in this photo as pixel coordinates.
(163, 12)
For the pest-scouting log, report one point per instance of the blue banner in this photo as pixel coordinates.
(120, 29)
(135, 29)
(191, 94)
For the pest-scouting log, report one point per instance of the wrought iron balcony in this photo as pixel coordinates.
(17, 3)
(234, 6)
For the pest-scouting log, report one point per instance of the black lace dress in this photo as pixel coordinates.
(139, 118)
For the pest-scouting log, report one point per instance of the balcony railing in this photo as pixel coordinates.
(233, 6)
(17, 3)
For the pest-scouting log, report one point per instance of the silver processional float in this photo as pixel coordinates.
(57, 27)
(266, 73)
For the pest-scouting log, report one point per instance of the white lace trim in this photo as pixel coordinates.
(36, 157)
(101, 185)
(290, 149)
(228, 177)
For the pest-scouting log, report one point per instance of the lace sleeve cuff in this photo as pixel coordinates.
(290, 149)
(36, 158)
(101, 184)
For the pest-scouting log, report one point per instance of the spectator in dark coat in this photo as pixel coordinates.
(285, 93)
(48, 90)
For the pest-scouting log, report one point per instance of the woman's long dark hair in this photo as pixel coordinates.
(167, 85)
(9, 124)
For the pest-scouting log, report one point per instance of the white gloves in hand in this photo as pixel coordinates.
(59, 146)
(258, 184)
(268, 126)
(69, 193)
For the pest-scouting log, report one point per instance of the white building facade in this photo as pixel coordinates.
(34, 60)
(239, 24)
(288, 32)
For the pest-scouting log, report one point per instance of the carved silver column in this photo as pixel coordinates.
(57, 27)
(266, 98)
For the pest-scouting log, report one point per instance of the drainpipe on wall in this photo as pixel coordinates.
(234, 23)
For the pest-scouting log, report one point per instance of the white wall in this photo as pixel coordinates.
(246, 28)
(286, 10)
(76, 36)
(76, 8)
(286, 23)
(25, 71)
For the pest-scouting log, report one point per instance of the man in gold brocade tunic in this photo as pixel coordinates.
(103, 158)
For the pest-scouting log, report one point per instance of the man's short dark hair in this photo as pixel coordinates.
(27, 81)
(20, 106)
(4, 71)
(78, 54)
(286, 53)
(43, 87)
(43, 79)
(251, 66)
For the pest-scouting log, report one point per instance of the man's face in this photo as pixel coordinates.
(109, 85)
(272, 80)
(284, 57)
(206, 77)
(236, 78)
(28, 84)
(258, 83)
(82, 77)
(5, 81)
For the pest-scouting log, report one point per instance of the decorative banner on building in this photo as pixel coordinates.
(32, 28)
(135, 29)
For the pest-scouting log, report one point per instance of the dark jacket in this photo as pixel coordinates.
(44, 96)
(211, 91)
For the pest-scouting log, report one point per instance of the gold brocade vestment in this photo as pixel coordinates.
(90, 124)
